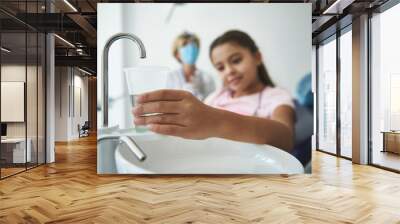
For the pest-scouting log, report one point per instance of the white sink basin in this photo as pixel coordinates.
(172, 155)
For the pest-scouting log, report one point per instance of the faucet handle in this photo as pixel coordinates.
(133, 147)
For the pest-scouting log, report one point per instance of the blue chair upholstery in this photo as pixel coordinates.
(304, 120)
(303, 133)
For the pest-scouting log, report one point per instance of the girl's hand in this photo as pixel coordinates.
(182, 114)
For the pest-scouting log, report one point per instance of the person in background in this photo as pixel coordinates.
(188, 77)
(247, 108)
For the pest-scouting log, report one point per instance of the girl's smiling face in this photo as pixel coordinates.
(238, 68)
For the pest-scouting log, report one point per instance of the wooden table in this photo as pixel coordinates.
(391, 141)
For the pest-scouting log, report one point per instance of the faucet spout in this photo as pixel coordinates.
(106, 50)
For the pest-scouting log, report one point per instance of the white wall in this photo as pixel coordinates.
(80, 83)
(12, 73)
(61, 103)
(67, 80)
(282, 32)
(33, 125)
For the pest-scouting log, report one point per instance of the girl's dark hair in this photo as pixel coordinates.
(243, 40)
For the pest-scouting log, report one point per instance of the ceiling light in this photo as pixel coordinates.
(329, 9)
(338, 6)
(70, 5)
(84, 71)
(80, 51)
(65, 41)
(5, 50)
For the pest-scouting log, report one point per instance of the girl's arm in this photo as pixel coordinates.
(185, 116)
(277, 131)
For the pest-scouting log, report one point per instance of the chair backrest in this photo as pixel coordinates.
(86, 125)
(303, 133)
(304, 120)
(304, 123)
(304, 94)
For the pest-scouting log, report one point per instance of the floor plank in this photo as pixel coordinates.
(70, 191)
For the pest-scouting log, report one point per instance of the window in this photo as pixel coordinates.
(327, 96)
(385, 89)
(346, 94)
(394, 102)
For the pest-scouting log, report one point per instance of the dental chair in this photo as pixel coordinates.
(303, 133)
(304, 122)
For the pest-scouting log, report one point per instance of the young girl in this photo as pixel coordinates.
(248, 108)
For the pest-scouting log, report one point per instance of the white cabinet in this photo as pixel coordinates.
(18, 149)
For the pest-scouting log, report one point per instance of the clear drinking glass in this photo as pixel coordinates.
(143, 79)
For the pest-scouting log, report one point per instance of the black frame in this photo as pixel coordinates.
(369, 77)
(328, 39)
(44, 78)
(338, 98)
(334, 37)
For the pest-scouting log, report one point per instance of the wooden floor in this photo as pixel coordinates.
(387, 159)
(5, 172)
(70, 191)
(10, 171)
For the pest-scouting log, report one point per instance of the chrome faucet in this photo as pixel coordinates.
(122, 139)
(106, 50)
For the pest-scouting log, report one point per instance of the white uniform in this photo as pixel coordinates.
(201, 86)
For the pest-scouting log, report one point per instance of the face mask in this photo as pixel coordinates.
(189, 53)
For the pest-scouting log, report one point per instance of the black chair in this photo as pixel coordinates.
(84, 130)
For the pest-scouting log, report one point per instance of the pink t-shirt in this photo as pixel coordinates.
(261, 104)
